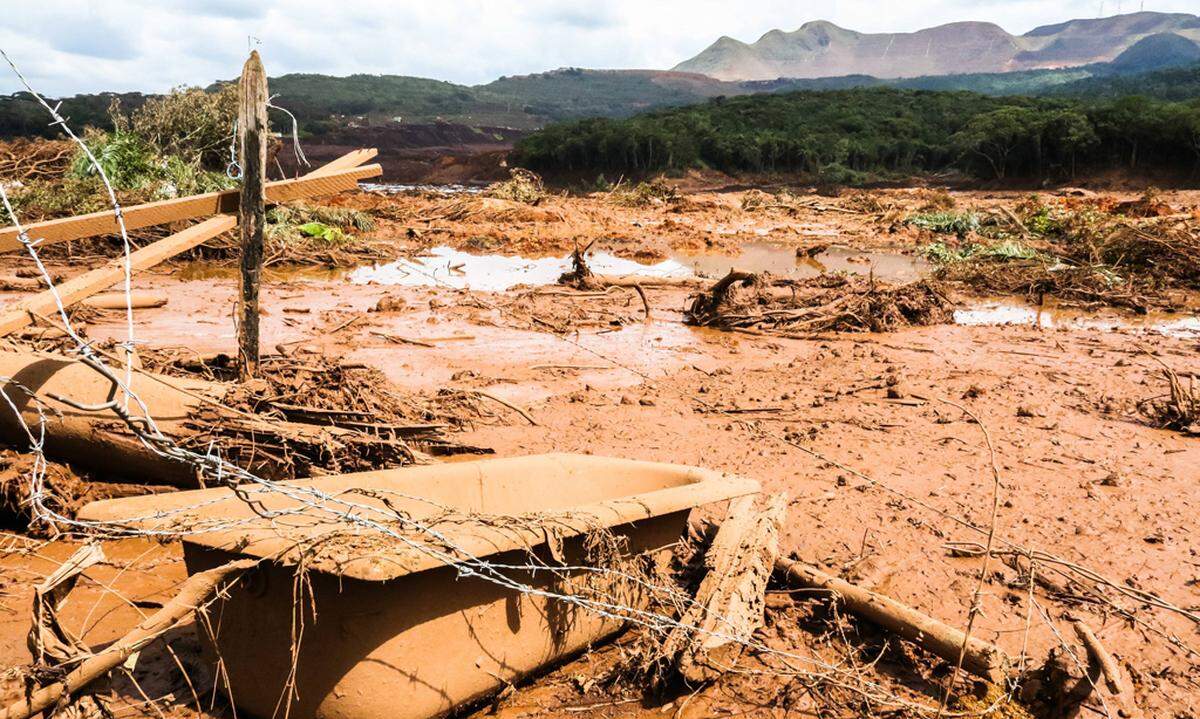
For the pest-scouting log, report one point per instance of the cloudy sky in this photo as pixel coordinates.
(70, 46)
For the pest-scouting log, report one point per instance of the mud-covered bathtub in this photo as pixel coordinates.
(402, 622)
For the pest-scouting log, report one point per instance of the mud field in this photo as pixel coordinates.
(891, 447)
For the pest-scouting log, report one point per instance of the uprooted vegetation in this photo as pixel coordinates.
(645, 194)
(1097, 252)
(1178, 408)
(301, 233)
(307, 415)
(170, 147)
(830, 302)
(522, 186)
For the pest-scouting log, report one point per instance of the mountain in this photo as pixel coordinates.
(821, 49)
(1157, 52)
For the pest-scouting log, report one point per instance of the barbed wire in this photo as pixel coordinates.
(311, 502)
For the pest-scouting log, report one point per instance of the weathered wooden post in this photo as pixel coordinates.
(252, 141)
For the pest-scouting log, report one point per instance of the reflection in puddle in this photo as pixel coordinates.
(495, 273)
(392, 188)
(782, 261)
(1006, 313)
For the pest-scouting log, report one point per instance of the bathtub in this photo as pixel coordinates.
(396, 629)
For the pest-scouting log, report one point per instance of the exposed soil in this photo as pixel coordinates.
(434, 153)
(879, 440)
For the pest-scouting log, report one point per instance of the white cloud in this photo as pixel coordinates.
(67, 46)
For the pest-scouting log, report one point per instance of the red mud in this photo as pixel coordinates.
(1081, 474)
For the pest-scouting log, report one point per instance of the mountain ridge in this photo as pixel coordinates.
(820, 48)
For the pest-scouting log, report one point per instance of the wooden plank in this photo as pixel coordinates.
(253, 136)
(183, 208)
(89, 283)
(731, 598)
(345, 162)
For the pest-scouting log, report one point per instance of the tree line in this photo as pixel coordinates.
(865, 133)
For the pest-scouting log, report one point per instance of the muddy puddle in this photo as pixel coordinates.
(495, 273)
(450, 268)
(1006, 312)
(447, 267)
(783, 261)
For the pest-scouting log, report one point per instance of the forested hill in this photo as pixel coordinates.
(324, 103)
(857, 135)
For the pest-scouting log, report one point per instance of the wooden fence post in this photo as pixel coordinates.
(252, 141)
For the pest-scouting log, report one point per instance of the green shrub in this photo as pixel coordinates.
(957, 223)
(193, 124)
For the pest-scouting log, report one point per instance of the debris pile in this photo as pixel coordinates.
(829, 302)
(301, 233)
(23, 160)
(523, 186)
(1093, 251)
(307, 415)
(63, 492)
(646, 194)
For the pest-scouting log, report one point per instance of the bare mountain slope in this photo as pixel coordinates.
(822, 49)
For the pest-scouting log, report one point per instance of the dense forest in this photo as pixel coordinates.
(871, 133)
(323, 103)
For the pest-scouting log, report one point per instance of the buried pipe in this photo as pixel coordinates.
(119, 300)
(95, 440)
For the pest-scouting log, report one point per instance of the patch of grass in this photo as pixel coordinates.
(299, 213)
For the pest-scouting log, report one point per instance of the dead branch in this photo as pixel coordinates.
(1098, 657)
(192, 595)
(981, 658)
(506, 403)
(50, 644)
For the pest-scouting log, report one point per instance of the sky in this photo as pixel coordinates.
(71, 46)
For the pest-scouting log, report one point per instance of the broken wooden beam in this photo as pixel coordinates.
(729, 604)
(183, 208)
(345, 162)
(981, 658)
(89, 283)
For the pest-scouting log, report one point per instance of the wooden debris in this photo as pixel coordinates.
(183, 208)
(729, 604)
(193, 593)
(1102, 665)
(253, 137)
(49, 643)
(345, 162)
(981, 658)
(89, 283)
